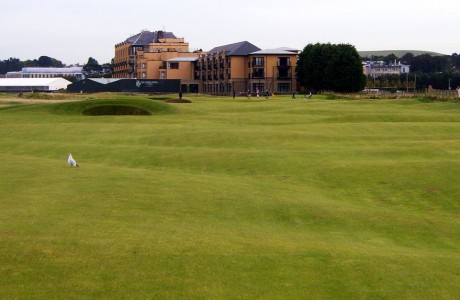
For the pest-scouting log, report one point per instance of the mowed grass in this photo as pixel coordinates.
(231, 199)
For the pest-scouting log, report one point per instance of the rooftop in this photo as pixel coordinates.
(52, 70)
(31, 81)
(241, 48)
(183, 59)
(273, 51)
(147, 37)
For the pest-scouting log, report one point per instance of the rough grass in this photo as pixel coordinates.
(225, 199)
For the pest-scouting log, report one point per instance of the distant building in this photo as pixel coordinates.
(183, 68)
(237, 67)
(13, 85)
(380, 68)
(242, 67)
(146, 56)
(37, 72)
(273, 70)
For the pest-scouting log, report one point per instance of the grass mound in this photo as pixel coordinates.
(121, 106)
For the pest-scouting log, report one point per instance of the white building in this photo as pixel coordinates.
(34, 72)
(380, 68)
(13, 85)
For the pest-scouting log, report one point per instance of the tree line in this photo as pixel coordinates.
(338, 68)
(438, 71)
(15, 65)
(423, 63)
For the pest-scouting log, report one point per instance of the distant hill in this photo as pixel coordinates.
(398, 53)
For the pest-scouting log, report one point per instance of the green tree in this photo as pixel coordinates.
(331, 67)
(456, 61)
(10, 65)
(407, 58)
(390, 59)
(92, 65)
(45, 61)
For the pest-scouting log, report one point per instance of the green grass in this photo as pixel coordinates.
(231, 199)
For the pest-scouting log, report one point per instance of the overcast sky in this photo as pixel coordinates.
(73, 31)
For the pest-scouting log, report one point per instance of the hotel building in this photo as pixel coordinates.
(224, 70)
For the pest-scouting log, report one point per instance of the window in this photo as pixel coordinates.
(258, 61)
(174, 65)
(283, 61)
(258, 73)
(283, 73)
(284, 87)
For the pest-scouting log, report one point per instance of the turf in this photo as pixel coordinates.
(231, 199)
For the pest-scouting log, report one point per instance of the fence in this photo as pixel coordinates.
(392, 94)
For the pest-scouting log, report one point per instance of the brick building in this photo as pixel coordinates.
(224, 70)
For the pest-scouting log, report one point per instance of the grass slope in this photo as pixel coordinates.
(232, 199)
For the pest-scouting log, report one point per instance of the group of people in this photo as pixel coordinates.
(266, 94)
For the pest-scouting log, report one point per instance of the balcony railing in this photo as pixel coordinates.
(284, 74)
(284, 64)
(258, 64)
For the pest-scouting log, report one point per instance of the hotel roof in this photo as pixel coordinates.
(183, 59)
(147, 37)
(241, 48)
(273, 51)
